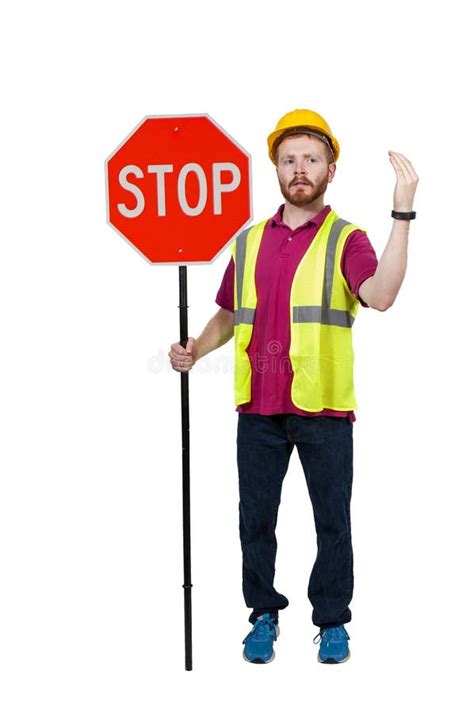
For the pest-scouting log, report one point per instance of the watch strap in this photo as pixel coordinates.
(403, 216)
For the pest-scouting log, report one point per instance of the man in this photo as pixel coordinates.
(289, 296)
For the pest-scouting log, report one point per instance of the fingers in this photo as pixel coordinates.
(398, 165)
(400, 157)
(182, 364)
(182, 368)
(177, 349)
(403, 167)
(180, 358)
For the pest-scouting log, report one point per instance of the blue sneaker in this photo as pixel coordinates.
(333, 646)
(259, 642)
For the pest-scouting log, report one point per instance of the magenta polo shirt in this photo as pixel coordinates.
(281, 250)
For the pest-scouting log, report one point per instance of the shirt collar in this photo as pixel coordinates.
(316, 219)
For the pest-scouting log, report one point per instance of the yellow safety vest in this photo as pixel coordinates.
(322, 311)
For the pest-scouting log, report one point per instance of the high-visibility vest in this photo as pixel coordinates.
(321, 313)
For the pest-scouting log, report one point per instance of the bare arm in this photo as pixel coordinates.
(380, 290)
(217, 332)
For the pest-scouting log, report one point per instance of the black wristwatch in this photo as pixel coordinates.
(403, 216)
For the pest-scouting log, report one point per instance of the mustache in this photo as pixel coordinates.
(300, 180)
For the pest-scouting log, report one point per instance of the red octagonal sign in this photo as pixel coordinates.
(179, 189)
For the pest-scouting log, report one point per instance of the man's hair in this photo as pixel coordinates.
(327, 151)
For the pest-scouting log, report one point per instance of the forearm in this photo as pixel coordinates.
(392, 265)
(218, 331)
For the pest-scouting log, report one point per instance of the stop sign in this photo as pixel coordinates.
(179, 189)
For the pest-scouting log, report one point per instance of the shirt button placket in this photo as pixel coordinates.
(285, 251)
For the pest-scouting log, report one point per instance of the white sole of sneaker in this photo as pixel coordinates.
(259, 660)
(332, 660)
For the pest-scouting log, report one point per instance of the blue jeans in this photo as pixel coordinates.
(324, 444)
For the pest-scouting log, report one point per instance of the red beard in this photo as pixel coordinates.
(303, 197)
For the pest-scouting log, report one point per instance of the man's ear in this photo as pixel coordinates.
(331, 171)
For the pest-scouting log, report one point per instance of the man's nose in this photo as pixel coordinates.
(300, 167)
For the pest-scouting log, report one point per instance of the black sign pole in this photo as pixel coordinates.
(183, 336)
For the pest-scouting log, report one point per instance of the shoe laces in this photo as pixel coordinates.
(262, 629)
(332, 633)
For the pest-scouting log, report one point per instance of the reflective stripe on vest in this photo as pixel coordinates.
(322, 311)
(244, 250)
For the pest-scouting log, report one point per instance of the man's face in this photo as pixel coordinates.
(302, 169)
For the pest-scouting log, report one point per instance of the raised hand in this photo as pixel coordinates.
(406, 184)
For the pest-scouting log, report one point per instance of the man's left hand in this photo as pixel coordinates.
(406, 184)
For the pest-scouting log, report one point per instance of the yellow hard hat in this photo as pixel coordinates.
(302, 119)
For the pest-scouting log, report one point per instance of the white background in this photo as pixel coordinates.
(91, 598)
